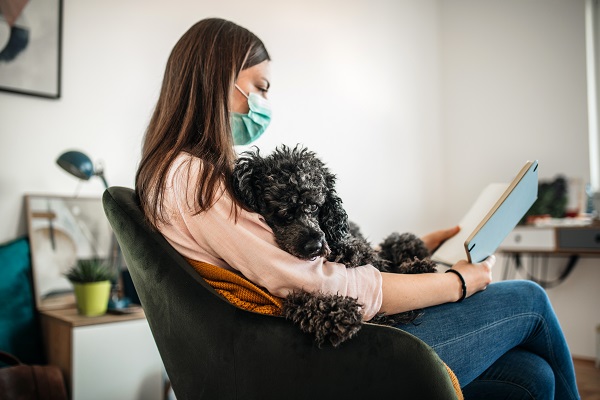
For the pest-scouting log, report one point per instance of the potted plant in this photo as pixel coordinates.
(92, 282)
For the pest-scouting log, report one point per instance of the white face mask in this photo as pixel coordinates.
(246, 128)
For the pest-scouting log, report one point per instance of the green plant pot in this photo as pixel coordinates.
(92, 298)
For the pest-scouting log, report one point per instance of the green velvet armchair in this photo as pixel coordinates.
(214, 350)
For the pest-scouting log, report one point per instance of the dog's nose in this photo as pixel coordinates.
(313, 246)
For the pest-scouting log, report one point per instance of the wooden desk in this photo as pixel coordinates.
(105, 357)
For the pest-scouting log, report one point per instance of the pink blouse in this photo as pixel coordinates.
(248, 246)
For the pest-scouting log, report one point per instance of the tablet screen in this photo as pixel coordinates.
(504, 215)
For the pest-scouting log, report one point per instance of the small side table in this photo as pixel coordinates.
(105, 357)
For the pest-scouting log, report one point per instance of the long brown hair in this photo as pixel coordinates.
(192, 111)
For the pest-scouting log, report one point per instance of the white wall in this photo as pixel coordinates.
(513, 89)
(415, 104)
(358, 83)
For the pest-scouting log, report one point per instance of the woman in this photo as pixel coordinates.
(503, 342)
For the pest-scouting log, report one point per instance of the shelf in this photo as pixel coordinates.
(72, 318)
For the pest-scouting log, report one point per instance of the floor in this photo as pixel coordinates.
(588, 379)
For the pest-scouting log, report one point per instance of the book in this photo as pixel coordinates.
(495, 213)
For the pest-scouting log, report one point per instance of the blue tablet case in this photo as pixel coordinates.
(505, 214)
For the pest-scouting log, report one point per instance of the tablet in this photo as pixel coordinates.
(510, 208)
(495, 213)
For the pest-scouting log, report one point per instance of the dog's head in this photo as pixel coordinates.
(294, 191)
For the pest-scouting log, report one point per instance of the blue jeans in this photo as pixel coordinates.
(502, 343)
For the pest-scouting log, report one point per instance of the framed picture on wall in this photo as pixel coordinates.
(63, 231)
(30, 47)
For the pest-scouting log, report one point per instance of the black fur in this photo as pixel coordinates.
(295, 193)
(329, 317)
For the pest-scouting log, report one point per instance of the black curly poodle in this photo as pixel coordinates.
(295, 193)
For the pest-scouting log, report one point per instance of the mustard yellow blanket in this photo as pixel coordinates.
(246, 295)
(238, 290)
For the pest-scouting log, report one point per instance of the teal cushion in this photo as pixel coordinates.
(19, 325)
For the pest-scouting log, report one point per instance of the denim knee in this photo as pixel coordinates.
(529, 292)
(530, 288)
(519, 375)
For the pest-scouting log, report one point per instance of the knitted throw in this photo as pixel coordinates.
(244, 294)
(238, 290)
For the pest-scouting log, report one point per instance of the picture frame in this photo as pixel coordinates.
(62, 231)
(31, 47)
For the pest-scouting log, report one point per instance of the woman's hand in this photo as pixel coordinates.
(477, 276)
(433, 240)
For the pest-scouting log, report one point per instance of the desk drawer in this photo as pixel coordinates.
(529, 239)
(579, 239)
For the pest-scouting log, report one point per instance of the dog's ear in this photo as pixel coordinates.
(246, 179)
(333, 219)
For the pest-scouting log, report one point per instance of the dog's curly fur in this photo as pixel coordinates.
(295, 193)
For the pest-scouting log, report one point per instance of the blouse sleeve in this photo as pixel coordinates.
(248, 246)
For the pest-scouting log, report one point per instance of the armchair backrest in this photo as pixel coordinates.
(214, 350)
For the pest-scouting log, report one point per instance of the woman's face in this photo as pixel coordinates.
(256, 79)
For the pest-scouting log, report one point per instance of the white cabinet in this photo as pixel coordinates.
(107, 357)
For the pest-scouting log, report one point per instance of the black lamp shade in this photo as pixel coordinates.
(76, 163)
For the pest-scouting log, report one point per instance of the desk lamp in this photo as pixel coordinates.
(80, 165)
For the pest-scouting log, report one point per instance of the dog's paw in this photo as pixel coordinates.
(353, 252)
(397, 248)
(329, 318)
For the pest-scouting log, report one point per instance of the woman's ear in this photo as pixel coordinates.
(246, 176)
(333, 219)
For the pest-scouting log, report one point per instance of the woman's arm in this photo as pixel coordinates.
(405, 292)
